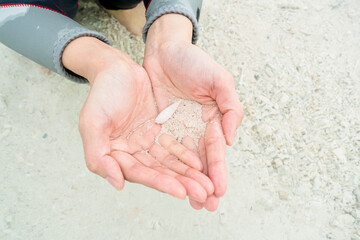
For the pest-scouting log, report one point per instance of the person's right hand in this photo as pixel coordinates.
(177, 67)
(117, 126)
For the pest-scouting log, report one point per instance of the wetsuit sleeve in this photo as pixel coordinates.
(41, 34)
(157, 8)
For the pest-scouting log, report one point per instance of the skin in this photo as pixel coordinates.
(116, 121)
(176, 67)
(116, 124)
(132, 19)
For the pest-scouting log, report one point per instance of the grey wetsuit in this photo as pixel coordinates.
(40, 30)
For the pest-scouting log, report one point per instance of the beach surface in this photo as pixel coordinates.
(293, 171)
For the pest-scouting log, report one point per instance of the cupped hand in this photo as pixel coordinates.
(184, 70)
(117, 128)
(178, 68)
(117, 125)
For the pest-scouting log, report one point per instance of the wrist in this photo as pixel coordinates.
(169, 28)
(88, 56)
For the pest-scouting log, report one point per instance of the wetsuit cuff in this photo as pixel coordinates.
(61, 44)
(41, 34)
(188, 8)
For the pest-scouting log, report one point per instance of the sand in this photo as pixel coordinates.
(186, 121)
(293, 171)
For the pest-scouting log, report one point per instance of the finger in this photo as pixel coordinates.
(143, 137)
(113, 172)
(199, 150)
(167, 160)
(189, 143)
(202, 152)
(229, 105)
(148, 161)
(196, 205)
(212, 203)
(210, 112)
(202, 179)
(194, 189)
(230, 123)
(136, 172)
(161, 155)
(191, 186)
(181, 152)
(97, 154)
(215, 153)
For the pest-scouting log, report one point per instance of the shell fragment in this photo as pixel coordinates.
(165, 114)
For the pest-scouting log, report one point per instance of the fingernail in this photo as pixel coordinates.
(197, 200)
(229, 140)
(113, 182)
(233, 135)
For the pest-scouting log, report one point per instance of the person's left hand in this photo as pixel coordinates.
(178, 68)
(117, 125)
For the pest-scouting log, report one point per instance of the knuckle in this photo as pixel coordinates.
(157, 176)
(228, 76)
(189, 172)
(215, 164)
(212, 140)
(93, 166)
(157, 167)
(239, 114)
(168, 158)
(185, 153)
(172, 144)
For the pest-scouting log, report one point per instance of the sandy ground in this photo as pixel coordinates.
(294, 172)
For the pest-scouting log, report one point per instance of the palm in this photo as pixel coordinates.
(118, 131)
(181, 71)
(129, 117)
(187, 72)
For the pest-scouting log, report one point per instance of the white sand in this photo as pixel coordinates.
(294, 170)
(186, 121)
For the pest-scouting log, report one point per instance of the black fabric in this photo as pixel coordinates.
(147, 3)
(67, 7)
(70, 7)
(119, 4)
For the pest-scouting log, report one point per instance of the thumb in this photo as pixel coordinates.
(229, 105)
(96, 145)
(111, 169)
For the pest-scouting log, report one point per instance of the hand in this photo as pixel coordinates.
(116, 125)
(178, 68)
(212, 201)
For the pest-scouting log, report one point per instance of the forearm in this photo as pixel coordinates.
(88, 56)
(159, 8)
(170, 27)
(85, 56)
(41, 34)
